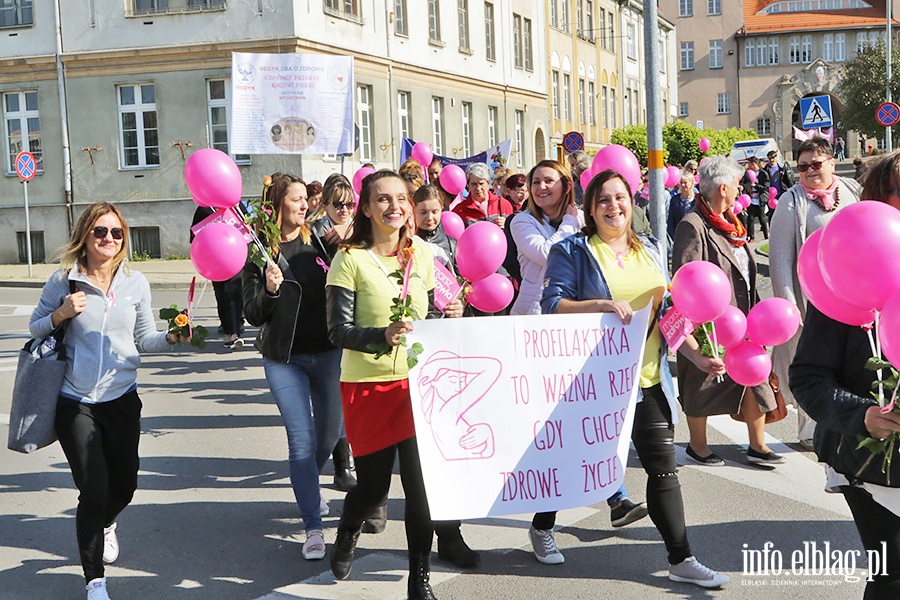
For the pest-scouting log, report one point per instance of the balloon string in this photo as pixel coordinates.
(875, 345)
(715, 345)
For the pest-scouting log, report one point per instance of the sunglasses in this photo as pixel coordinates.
(340, 205)
(100, 232)
(816, 165)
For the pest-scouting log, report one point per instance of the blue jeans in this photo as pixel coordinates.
(308, 385)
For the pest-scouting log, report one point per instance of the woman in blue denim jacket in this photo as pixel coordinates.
(609, 268)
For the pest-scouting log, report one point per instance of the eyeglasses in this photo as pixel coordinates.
(816, 165)
(342, 205)
(100, 232)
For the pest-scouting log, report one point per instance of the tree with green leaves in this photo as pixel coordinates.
(862, 88)
(681, 141)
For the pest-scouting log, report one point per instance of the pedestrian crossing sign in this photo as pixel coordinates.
(816, 111)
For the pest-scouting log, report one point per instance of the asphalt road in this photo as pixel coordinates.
(215, 518)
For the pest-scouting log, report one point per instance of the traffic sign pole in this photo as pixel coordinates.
(27, 227)
(26, 169)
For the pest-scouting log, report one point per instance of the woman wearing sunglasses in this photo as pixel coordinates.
(98, 415)
(801, 210)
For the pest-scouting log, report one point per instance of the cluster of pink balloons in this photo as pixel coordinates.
(218, 251)
(850, 272)
(741, 203)
(479, 253)
(619, 159)
(702, 293)
(773, 198)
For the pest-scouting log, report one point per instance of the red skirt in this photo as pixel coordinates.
(377, 414)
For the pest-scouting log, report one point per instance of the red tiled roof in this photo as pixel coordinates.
(812, 20)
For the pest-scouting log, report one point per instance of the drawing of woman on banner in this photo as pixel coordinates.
(450, 386)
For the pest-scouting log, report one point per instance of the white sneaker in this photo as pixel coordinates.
(96, 589)
(314, 546)
(544, 547)
(691, 570)
(110, 544)
(323, 506)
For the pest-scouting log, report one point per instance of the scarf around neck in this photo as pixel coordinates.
(827, 198)
(727, 223)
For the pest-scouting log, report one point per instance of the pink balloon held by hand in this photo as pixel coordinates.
(731, 327)
(772, 322)
(481, 250)
(748, 364)
(701, 291)
(491, 294)
(218, 252)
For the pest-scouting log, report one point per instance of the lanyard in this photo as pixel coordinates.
(384, 270)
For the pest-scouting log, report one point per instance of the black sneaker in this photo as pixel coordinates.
(627, 512)
(713, 460)
(764, 458)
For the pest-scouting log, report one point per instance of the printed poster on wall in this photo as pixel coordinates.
(524, 414)
(291, 104)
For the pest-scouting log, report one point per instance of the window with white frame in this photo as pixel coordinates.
(683, 109)
(567, 83)
(564, 15)
(340, 8)
(715, 54)
(518, 61)
(661, 48)
(806, 49)
(520, 138)
(828, 47)
(467, 128)
(685, 8)
(492, 125)
(554, 86)
(462, 11)
(434, 21)
(632, 45)
(613, 121)
(749, 53)
(401, 24)
(526, 44)
(604, 106)
(794, 51)
(581, 106)
(364, 121)
(16, 13)
(23, 128)
(687, 56)
(554, 16)
(761, 55)
(589, 19)
(138, 128)
(635, 105)
(404, 100)
(723, 104)
(840, 47)
(490, 52)
(437, 124)
(627, 106)
(579, 18)
(218, 98)
(601, 27)
(714, 7)
(592, 104)
(764, 126)
(862, 40)
(773, 51)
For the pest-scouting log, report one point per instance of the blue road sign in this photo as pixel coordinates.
(815, 111)
(573, 141)
(26, 168)
(887, 114)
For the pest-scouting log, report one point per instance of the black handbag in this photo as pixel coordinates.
(39, 378)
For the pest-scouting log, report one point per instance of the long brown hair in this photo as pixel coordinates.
(881, 177)
(568, 197)
(362, 236)
(274, 195)
(592, 193)
(75, 250)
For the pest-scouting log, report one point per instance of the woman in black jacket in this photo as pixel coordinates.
(286, 300)
(830, 382)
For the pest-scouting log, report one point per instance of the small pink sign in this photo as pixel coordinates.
(675, 328)
(446, 287)
(225, 215)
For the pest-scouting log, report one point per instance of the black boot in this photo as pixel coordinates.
(456, 552)
(342, 552)
(377, 519)
(343, 464)
(418, 587)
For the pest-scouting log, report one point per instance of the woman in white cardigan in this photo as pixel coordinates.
(550, 217)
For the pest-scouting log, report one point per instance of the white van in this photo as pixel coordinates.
(760, 148)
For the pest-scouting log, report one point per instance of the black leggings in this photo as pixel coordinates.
(230, 304)
(877, 524)
(101, 444)
(756, 211)
(373, 475)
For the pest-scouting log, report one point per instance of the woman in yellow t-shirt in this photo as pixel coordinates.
(360, 292)
(609, 268)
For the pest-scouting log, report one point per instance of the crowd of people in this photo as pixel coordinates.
(322, 307)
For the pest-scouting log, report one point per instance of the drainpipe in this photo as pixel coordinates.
(64, 121)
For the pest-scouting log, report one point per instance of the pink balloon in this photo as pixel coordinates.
(889, 329)
(423, 153)
(696, 180)
(731, 327)
(744, 199)
(218, 252)
(491, 294)
(199, 202)
(752, 175)
(817, 291)
(481, 250)
(773, 203)
(748, 364)
(621, 160)
(452, 179)
(359, 176)
(452, 222)
(701, 291)
(772, 322)
(738, 207)
(859, 254)
(673, 176)
(704, 144)
(586, 177)
(213, 178)
(773, 193)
